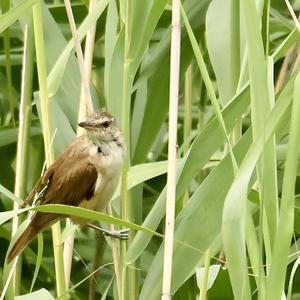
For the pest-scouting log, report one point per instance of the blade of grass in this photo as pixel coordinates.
(10, 195)
(39, 294)
(202, 211)
(6, 40)
(7, 215)
(293, 273)
(158, 84)
(14, 14)
(282, 49)
(261, 86)
(38, 260)
(224, 52)
(10, 135)
(196, 11)
(234, 213)
(207, 82)
(195, 159)
(91, 215)
(284, 233)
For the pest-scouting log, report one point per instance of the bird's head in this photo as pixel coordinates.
(102, 127)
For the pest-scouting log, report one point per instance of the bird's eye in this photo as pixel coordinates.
(105, 124)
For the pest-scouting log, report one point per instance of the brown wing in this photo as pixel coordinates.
(70, 179)
(40, 185)
(72, 182)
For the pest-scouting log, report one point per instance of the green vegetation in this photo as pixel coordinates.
(237, 210)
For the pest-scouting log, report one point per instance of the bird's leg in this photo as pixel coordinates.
(119, 234)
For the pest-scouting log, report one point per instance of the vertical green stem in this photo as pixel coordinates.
(187, 125)
(23, 136)
(235, 44)
(265, 26)
(261, 105)
(46, 125)
(253, 251)
(42, 76)
(187, 105)
(125, 200)
(6, 41)
(204, 284)
(235, 57)
(116, 257)
(172, 151)
(123, 248)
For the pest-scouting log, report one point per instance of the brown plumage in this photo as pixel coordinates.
(85, 174)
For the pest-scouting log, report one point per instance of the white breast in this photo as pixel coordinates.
(109, 165)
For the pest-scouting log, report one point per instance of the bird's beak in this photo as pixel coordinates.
(87, 124)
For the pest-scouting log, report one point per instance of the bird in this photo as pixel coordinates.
(85, 175)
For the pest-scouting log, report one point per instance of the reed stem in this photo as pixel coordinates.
(172, 150)
(46, 127)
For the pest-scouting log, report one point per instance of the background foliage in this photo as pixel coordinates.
(237, 209)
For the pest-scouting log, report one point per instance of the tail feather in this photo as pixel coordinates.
(25, 238)
(37, 224)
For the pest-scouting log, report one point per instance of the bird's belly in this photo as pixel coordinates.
(98, 202)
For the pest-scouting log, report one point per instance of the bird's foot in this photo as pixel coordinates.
(122, 234)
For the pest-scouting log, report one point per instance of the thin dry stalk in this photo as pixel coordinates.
(68, 255)
(88, 62)
(86, 105)
(287, 67)
(115, 254)
(83, 73)
(295, 19)
(172, 150)
(291, 62)
(9, 278)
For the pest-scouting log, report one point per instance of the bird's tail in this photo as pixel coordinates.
(25, 238)
(37, 224)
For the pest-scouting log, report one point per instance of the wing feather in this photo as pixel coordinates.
(70, 179)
